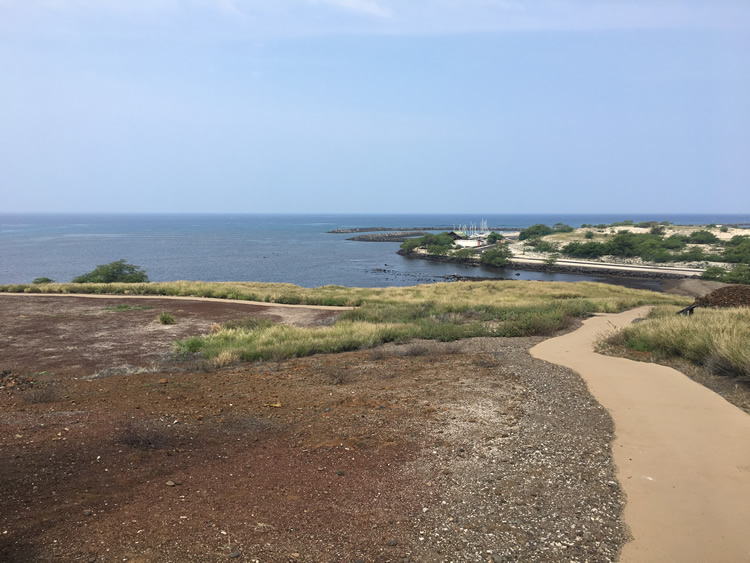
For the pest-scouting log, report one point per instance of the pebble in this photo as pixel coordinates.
(392, 542)
(170, 483)
(234, 555)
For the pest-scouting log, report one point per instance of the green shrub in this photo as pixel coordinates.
(739, 274)
(562, 228)
(541, 245)
(657, 230)
(494, 237)
(166, 319)
(702, 237)
(434, 244)
(738, 249)
(497, 256)
(465, 253)
(410, 245)
(577, 249)
(38, 281)
(119, 271)
(589, 235)
(538, 230)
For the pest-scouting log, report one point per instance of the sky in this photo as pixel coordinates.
(375, 106)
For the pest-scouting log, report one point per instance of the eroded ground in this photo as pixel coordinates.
(470, 451)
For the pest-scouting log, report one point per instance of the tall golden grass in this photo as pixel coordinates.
(455, 294)
(716, 338)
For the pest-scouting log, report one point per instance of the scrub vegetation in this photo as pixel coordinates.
(442, 311)
(716, 339)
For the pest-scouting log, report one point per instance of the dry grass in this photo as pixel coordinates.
(718, 339)
(452, 295)
(41, 393)
(443, 312)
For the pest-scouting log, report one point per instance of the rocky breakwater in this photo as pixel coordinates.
(397, 236)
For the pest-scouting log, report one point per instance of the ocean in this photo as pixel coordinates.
(286, 248)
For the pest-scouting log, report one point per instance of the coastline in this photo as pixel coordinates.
(644, 273)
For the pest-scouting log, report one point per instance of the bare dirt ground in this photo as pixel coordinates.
(113, 451)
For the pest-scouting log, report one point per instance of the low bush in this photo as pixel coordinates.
(166, 318)
(538, 230)
(739, 274)
(497, 256)
(702, 237)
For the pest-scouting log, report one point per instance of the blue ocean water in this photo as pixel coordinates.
(268, 248)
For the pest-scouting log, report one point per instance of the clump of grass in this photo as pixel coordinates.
(123, 307)
(41, 393)
(378, 354)
(416, 349)
(278, 342)
(249, 323)
(166, 319)
(714, 338)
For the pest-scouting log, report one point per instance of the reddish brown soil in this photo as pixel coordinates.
(471, 451)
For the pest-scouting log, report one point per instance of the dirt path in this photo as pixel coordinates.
(682, 452)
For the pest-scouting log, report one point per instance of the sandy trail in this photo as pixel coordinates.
(682, 452)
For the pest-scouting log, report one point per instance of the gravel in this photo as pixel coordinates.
(540, 489)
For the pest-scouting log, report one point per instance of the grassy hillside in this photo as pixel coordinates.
(442, 311)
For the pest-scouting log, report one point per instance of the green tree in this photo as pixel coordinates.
(494, 237)
(658, 230)
(410, 245)
(43, 280)
(714, 273)
(738, 249)
(702, 237)
(119, 271)
(538, 230)
(497, 256)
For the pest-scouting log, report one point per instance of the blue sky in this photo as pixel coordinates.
(497, 106)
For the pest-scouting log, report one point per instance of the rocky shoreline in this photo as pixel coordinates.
(554, 268)
(396, 236)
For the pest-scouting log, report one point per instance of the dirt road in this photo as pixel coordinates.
(682, 452)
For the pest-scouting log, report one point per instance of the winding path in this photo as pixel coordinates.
(682, 451)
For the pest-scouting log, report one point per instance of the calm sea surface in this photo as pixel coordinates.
(268, 248)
